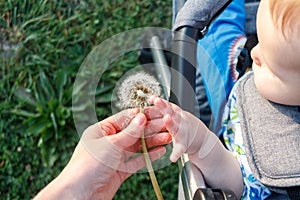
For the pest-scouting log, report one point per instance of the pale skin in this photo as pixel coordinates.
(98, 166)
(276, 60)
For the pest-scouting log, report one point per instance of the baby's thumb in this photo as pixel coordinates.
(131, 133)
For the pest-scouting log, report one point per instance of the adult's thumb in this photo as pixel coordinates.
(131, 133)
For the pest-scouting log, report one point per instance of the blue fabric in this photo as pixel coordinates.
(217, 56)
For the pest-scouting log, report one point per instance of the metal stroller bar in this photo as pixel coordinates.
(161, 65)
(184, 68)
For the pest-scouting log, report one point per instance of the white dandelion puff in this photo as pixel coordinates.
(136, 90)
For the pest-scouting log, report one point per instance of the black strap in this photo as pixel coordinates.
(213, 194)
(244, 60)
(293, 192)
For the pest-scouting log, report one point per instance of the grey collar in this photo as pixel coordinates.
(271, 134)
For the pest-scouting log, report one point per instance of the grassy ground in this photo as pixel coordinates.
(42, 45)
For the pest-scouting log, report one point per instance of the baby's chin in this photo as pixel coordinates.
(277, 90)
(279, 96)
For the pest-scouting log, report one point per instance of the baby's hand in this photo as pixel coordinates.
(186, 129)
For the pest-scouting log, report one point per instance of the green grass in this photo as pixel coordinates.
(46, 42)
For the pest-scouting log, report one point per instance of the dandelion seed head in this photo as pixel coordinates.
(141, 94)
(136, 90)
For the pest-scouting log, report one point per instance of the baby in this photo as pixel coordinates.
(262, 108)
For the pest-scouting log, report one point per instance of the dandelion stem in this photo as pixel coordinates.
(149, 165)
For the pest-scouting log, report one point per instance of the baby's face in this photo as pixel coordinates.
(276, 61)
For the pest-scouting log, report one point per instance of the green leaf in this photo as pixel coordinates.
(80, 107)
(30, 37)
(106, 98)
(78, 88)
(40, 97)
(46, 86)
(40, 142)
(104, 89)
(52, 159)
(39, 18)
(60, 81)
(37, 60)
(49, 157)
(39, 126)
(62, 122)
(52, 116)
(25, 113)
(62, 112)
(25, 96)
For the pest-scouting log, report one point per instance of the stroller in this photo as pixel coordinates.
(193, 98)
(189, 72)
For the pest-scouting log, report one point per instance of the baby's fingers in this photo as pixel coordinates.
(171, 125)
(164, 106)
(178, 150)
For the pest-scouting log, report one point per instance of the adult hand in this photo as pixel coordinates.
(100, 162)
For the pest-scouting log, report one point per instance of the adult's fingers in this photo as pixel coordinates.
(131, 133)
(110, 125)
(158, 139)
(110, 150)
(117, 122)
(137, 163)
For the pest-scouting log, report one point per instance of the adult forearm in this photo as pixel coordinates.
(57, 190)
(69, 184)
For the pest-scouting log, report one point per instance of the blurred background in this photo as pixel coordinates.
(42, 45)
